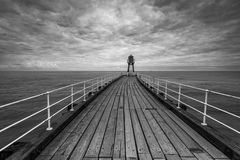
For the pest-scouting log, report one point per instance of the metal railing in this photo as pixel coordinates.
(156, 84)
(88, 86)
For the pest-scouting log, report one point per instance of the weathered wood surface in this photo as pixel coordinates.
(126, 122)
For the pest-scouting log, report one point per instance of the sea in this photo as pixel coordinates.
(16, 85)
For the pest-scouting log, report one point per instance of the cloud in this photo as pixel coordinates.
(99, 35)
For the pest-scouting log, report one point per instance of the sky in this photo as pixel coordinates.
(101, 34)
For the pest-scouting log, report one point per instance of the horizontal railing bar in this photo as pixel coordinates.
(23, 119)
(35, 113)
(172, 97)
(71, 85)
(88, 87)
(58, 89)
(208, 104)
(60, 110)
(25, 99)
(161, 86)
(53, 104)
(51, 91)
(67, 105)
(189, 86)
(158, 89)
(232, 114)
(205, 103)
(172, 90)
(192, 98)
(223, 124)
(46, 93)
(183, 103)
(78, 91)
(197, 88)
(191, 107)
(205, 90)
(23, 135)
(78, 98)
(223, 94)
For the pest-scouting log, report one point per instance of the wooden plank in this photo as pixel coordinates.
(95, 144)
(188, 141)
(44, 157)
(177, 145)
(172, 157)
(162, 139)
(142, 147)
(108, 140)
(119, 145)
(202, 156)
(154, 147)
(209, 148)
(59, 141)
(67, 148)
(145, 157)
(90, 158)
(131, 152)
(196, 151)
(189, 158)
(182, 150)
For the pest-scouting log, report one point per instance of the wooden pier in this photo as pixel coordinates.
(126, 122)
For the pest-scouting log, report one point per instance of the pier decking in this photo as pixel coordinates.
(127, 122)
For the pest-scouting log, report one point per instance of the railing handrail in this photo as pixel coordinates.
(149, 80)
(44, 93)
(197, 88)
(99, 81)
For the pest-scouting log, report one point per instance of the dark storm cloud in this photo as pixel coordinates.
(58, 33)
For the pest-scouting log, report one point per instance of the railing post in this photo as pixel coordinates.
(152, 83)
(101, 82)
(165, 94)
(72, 109)
(205, 108)
(149, 85)
(49, 128)
(149, 81)
(158, 86)
(92, 86)
(97, 83)
(84, 91)
(179, 96)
